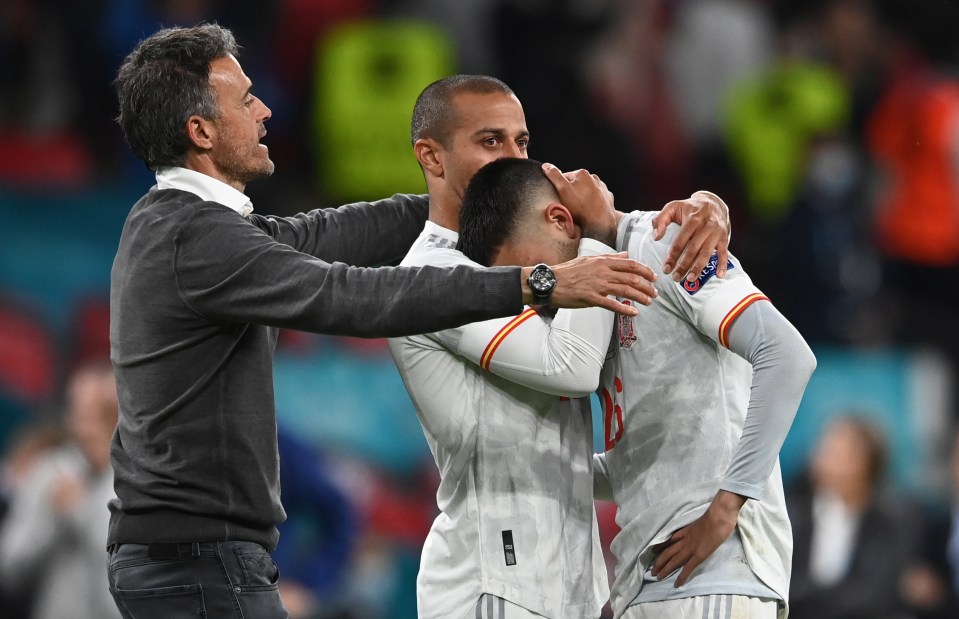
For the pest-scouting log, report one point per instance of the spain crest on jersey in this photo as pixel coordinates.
(692, 287)
(627, 334)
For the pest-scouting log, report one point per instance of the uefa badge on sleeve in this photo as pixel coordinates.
(692, 287)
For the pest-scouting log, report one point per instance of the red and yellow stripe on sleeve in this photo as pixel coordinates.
(501, 335)
(734, 313)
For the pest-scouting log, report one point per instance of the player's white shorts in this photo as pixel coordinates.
(705, 607)
(492, 607)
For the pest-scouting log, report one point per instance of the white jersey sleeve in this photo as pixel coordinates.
(561, 354)
(710, 303)
(782, 364)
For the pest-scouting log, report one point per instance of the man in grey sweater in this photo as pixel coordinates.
(200, 286)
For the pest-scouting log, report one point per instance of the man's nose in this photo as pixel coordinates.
(513, 150)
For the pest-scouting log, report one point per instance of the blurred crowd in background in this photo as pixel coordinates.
(830, 127)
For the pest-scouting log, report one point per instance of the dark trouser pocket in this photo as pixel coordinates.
(162, 602)
(255, 580)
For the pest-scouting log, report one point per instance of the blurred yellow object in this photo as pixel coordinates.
(367, 77)
(770, 122)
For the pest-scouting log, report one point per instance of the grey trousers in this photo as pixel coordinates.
(205, 580)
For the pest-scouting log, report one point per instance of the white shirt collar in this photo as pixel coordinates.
(207, 187)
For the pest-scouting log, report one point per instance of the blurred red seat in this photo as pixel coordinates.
(43, 161)
(27, 354)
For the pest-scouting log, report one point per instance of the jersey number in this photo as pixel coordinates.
(612, 415)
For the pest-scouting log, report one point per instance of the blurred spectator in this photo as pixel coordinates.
(288, 72)
(541, 49)
(467, 22)
(318, 538)
(53, 540)
(952, 552)
(794, 134)
(629, 89)
(930, 585)
(713, 45)
(28, 446)
(913, 139)
(850, 540)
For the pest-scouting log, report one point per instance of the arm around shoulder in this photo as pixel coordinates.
(359, 234)
(230, 271)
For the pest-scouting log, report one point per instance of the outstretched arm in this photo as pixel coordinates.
(360, 234)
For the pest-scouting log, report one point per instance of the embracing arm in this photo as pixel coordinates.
(705, 229)
(359, 234)
(562, 355)
(230, 271)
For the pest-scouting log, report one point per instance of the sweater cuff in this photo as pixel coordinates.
(503, 291)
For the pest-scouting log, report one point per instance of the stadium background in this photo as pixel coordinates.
(785, 109)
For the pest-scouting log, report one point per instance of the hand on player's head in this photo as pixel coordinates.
(588, 199)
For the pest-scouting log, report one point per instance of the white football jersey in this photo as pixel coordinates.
(674, 400)
(504, 406)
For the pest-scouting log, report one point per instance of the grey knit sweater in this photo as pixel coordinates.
(197, 292)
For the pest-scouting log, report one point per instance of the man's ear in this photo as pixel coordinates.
(558, 215)
(427, 152)
(200, 131)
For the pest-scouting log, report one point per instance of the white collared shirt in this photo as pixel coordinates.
(207, 187)
(833, 536)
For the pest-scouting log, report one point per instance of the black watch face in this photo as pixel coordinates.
(542, 280)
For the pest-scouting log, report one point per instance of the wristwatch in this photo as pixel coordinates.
(541, 281)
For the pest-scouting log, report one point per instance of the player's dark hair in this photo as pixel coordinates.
(494, 204)
(433, 113)
(164, 81)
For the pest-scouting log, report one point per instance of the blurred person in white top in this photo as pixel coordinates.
(55, 533)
